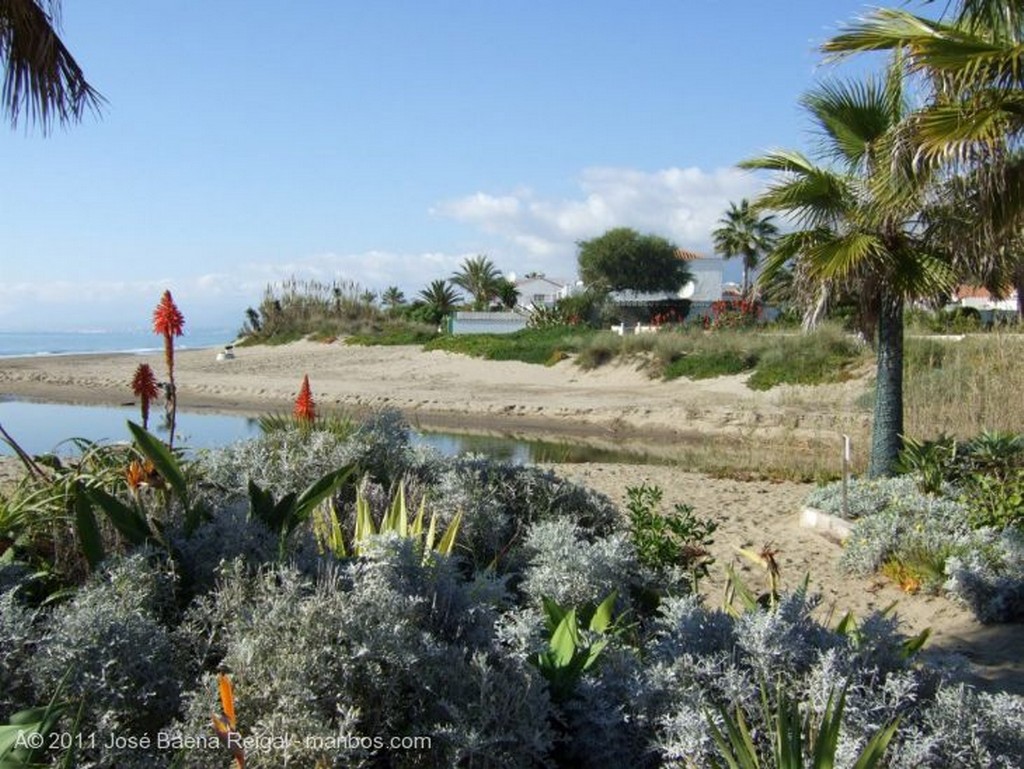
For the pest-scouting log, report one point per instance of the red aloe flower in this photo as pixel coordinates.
(168, 322)
(167, 318)
(305, 409)
(144, 385)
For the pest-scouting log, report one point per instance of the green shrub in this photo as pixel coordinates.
(665, 542)
(531, 345)
(706, 365)
(394, 332)
(819, 358)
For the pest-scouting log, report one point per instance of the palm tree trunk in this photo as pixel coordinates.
(887, 427)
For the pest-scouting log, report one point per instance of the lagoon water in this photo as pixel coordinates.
(46, 427)
(41, 428)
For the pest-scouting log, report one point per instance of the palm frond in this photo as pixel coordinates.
(884, 30)
(784, 161)
(841, 256)
(814, 198)
(853, 116)
(41, 77)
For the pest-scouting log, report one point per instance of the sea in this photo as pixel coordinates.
(24, 343)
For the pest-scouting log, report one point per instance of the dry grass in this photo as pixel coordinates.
(961, 388)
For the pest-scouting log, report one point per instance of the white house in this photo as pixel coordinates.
(707, 272)
(537, 290)
(980, 299)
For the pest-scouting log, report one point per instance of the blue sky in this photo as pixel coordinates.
(384, 142)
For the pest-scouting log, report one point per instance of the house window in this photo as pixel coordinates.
(539, 298)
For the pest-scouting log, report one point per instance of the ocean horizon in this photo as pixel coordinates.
(16, 344)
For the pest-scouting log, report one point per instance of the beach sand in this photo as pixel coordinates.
(614, 406)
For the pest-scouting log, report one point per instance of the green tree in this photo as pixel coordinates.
(479, 278)
(441, 298)
(622, 259)
(747, 234)
(858, 220)
(41, 77)
(392, 298)
(507, 293)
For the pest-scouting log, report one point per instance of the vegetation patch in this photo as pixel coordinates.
(531, 345)
(954, 522)
(709, 364)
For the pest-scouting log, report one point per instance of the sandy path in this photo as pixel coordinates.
(751, 514)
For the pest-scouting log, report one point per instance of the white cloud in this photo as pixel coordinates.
(520, 230)
(210, 300)
(683, 204)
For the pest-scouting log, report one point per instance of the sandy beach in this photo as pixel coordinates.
(617, 405)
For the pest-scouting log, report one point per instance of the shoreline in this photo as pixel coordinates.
(615, 406)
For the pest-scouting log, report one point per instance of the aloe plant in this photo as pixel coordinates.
(570, 653)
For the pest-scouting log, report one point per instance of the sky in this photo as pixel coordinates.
(244, 142)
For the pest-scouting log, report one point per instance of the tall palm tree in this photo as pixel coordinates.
(41, 76)
(857, 215)
(480, 278)
(747, 234)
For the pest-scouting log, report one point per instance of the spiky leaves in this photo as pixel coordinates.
(41, 77)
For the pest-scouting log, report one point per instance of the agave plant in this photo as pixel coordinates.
(395, 521)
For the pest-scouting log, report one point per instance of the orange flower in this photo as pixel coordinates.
(144, 385)
(305, 409)
(169, 322)
(224, 726)
(143, 474)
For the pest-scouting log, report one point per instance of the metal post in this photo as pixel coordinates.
(846, 474)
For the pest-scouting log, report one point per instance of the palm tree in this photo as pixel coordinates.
(441, 298)
(973, 63)
(507, 293)
(41, 76)
(973, 124)
(745, 233)
(479, 277)
(858, 220)
(392, 297)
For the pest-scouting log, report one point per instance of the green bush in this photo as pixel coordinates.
(810, 359)
(531, 345)
(706, 365)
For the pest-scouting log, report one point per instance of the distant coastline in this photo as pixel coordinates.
(19, 344)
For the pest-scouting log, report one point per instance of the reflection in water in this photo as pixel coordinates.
(45, 427)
